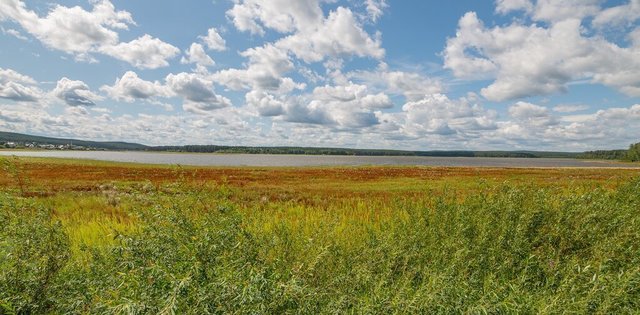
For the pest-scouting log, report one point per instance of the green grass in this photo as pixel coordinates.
(396, 245)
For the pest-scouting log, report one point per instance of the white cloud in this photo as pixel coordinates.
(145, 52)
(530, 60)
(341, 107)
(8, 75)
(79, 32)
(18, 87)
(346, 107)
(338, 35)
(283, 16)
(73, 29)
(569, 108)
(265, 71)
(14, 33)
(197, 91)
(196, 54)
(606, 129)
(130, 88)
(414, 86)
(506, 6)
(213, 40)
(622, 15)
(265, 104)
(75, 93)
(437, 114)
(524, 110)
(312, 36)
(375, 8)
(560, 10)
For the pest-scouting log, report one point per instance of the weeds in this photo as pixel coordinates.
(200, 248)
(11, 167)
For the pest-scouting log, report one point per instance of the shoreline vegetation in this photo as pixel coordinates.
(103, 237)
(23, 141)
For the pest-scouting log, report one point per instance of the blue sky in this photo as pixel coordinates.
(510, 74)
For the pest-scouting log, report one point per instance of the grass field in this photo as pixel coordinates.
(98, 237)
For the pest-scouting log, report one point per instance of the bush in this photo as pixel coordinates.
(33, 251)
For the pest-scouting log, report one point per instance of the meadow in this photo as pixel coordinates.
(102, 238)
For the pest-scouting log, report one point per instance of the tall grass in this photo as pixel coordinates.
(190, 250)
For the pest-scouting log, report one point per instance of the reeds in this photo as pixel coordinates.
(197, 247)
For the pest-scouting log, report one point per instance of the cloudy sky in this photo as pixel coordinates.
(510, 74)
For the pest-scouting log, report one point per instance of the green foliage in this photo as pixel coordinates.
(11, 167)
(33, 252)
(604, 155)
(633, 154)
(503, 250)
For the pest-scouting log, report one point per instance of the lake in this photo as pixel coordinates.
(212, 159)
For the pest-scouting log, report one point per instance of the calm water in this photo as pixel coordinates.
(203, 159)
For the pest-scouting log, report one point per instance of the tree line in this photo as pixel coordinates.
(632, 154)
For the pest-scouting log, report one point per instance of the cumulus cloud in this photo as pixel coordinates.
(79, 32)
(531, 114)
(413, 86)
(70, 29)
(355, 95)
(75, 93)
(265, 104)
(213, 40)
(622, 15)
(560, 10)
(18, 87)
(145, 52)
(339, 34)
(529, 60)
(551, 10)
(312, 36)
(265, 71)
(197, 91)
(607, 128)
(341, 107)
(196, 54)
(506, 6)
(130, 87)
(437, 114)
(280, 15)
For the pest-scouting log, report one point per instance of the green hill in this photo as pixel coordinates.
(23, 138)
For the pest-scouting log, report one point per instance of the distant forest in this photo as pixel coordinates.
(632, 154)
(18, 140)
(358, 152)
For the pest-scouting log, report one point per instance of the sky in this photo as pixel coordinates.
(550, 75)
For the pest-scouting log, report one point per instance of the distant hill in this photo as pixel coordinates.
(124, 146)
(23, 138)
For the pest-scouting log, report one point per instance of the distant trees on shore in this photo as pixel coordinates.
(633, 154)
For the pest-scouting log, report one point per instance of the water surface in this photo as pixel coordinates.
(213, 159)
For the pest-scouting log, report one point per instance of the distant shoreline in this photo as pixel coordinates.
(17, 141)
(288, 160)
